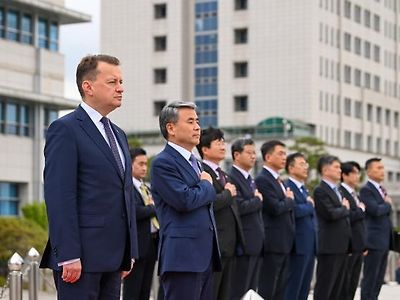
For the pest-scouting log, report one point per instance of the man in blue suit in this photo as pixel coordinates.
(279, 224)
(301, 265)
(378, 206)
(184, 195)
(88, 190)
(249, 199)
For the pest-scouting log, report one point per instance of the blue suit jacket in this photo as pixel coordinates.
(250, 214)
(89, 204)
(188, 240)
(379, 225)
(277, 214)
(305, 222)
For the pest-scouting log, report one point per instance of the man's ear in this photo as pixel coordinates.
(87, 87)
(170, 129)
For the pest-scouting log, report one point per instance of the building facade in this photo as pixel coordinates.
(31, 93)
(331, 64)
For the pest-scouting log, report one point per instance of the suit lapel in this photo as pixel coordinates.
(298, 194)
(275, 182)
(124, 146)
(375, 191)
(210, 171)
(94, 134)
(239, 176)
(330, 192)
(180, 160)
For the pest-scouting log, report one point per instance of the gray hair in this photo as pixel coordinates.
(169, 114)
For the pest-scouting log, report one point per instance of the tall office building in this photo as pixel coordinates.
(31, 93)
(328, 67)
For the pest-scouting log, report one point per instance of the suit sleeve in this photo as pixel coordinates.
(372, 207)
(60, 191)
(356, 214)
(224, 199)
(271, 202)
(302, 210)
(145, 212)
(175, 191)
(325, 208)
(248, 205)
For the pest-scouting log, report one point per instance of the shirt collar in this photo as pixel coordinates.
(299, 184)
(348, 188)
(94, 115)
(273, 173)
(244, 173)
(137, 183)
(182, 151)
(376, 184)
(212, 165)
(331, 184)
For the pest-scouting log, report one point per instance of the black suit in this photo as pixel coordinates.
(248, 258)
(137, 284)
(230, 233)
(379, 230)
(279, 239)
(334, 237)
(354, 261)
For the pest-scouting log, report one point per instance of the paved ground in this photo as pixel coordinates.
(389, 292)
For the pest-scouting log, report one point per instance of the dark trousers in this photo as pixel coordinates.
(137, 284)
(245, 275)
(274, 276)
(352, 276)
(222, 281)
(187, 285)
(373, 274)
(90, 286)
(301, 268)
(330, 273)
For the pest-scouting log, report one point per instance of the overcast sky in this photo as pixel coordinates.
(78, 40)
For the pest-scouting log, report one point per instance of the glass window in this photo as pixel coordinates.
(367, 49)
(347, 107)
(367, 18)
(347, 9)
(377, 23)
(241, 69)
(377, 53)
(387, 117)
(241, 103)
(367, 80)
(12, 25)
(347, 139)
(347, 41)
(26, 29)
(158, 106)
(358, 109)
(369, 143)
(378, 114)
(240, 36)
(160, 76)
(357, 14)
(24, 120)
(9, 199)
(369, 112)
(347, 74)
(240, 4)
(50, 115)
(357, 77)
(11, 118)
(396, 120)
(357, 45)
(160, 43)
(53, 36)
(378, 145)
(377, 83)
(358, 142)
(2, 19)
(160, 11)
(43, 34)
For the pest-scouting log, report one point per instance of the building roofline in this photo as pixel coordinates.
(60, 102)
(65, 15)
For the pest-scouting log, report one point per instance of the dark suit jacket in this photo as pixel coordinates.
(379, 225)
(334, 232)
(89, 205)
(188, 239)
(277, 214)
(304, 213)
(144, 213)
(250, 214)
(229, 226)
(357, 217)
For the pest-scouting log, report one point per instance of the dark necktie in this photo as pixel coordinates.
(113, 144)
(251, 183)
(221, 176)
(383, 190)
(336, 190)
(304, 191)
(355, 197)
(195, 166)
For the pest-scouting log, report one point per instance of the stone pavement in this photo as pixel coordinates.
(389, 291)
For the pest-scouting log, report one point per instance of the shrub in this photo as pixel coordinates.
(19, 235)
(37, 213)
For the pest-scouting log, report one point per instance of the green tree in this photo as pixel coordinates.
(313, 148)
(134, 142)
(36, 212)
